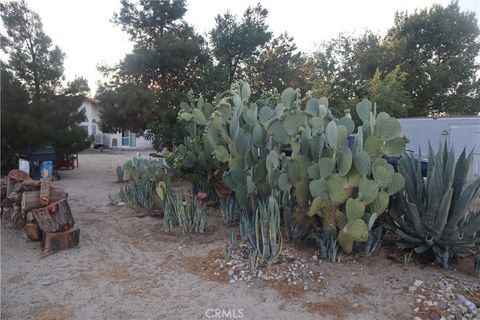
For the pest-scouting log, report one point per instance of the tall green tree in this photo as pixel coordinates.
(238, 43)
(36, 105)
(437, 49)
(389, 93)
(147, 86)
(278, 66)
(342, 66)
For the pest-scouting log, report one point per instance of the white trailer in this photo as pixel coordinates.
(458, 132)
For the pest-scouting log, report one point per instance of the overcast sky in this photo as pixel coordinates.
(84, 32)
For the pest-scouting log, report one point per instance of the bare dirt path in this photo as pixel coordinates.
(127, 268)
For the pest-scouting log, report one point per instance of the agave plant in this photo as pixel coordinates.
(435, 214)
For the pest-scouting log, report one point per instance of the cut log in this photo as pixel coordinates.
(18, 218)
(31, 199)
(3, 188)
(18, 175)
(15, 176)
(6, 203)
(7, 213)
(33, 231)
(13, 197)
(45, 191)
(31, 185)
(52, 242)
(56, 217)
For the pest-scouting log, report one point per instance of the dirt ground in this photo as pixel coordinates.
(127, 267)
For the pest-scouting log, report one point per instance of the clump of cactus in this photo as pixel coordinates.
(435, 214)
(188, 213)
(284, 145)
(140, 192)
(144, 176)
(119, 170)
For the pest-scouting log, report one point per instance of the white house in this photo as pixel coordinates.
(120, 140)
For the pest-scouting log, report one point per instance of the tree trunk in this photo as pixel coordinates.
(33, 231)
(52, 242)
(45, 191)
(57, 217)
(31, 199)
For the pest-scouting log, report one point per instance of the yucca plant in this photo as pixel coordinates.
(435, 213)
(262, 230)
(187, 213)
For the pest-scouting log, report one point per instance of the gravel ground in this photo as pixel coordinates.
(127, 267)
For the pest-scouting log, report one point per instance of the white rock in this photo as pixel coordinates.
(416, 310)
(418, 283)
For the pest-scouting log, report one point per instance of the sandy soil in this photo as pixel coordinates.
(126, 267)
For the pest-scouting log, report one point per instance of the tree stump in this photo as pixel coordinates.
(56, 241)
(31, 199)
(33, 231)
(56, 217)
(45, 191)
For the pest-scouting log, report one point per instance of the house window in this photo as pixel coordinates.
(94, 129)
(129, 139)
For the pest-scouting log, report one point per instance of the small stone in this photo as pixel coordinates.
(419, 300)
(294, 283)
(412, 289)
(305, 288)
(315, 258)
(418, 283)
(232, 281)
(417, 318)
(428, 303)
(416, 310)
(230, 272)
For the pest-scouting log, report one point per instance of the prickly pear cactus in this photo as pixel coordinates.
(336, 169)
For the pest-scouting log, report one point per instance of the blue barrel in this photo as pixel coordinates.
(46, 165)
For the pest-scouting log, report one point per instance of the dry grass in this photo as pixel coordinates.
(360, 289)
(17, 278)
(286, 290)
(207, 267)
(52, 312)
(335, 307)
